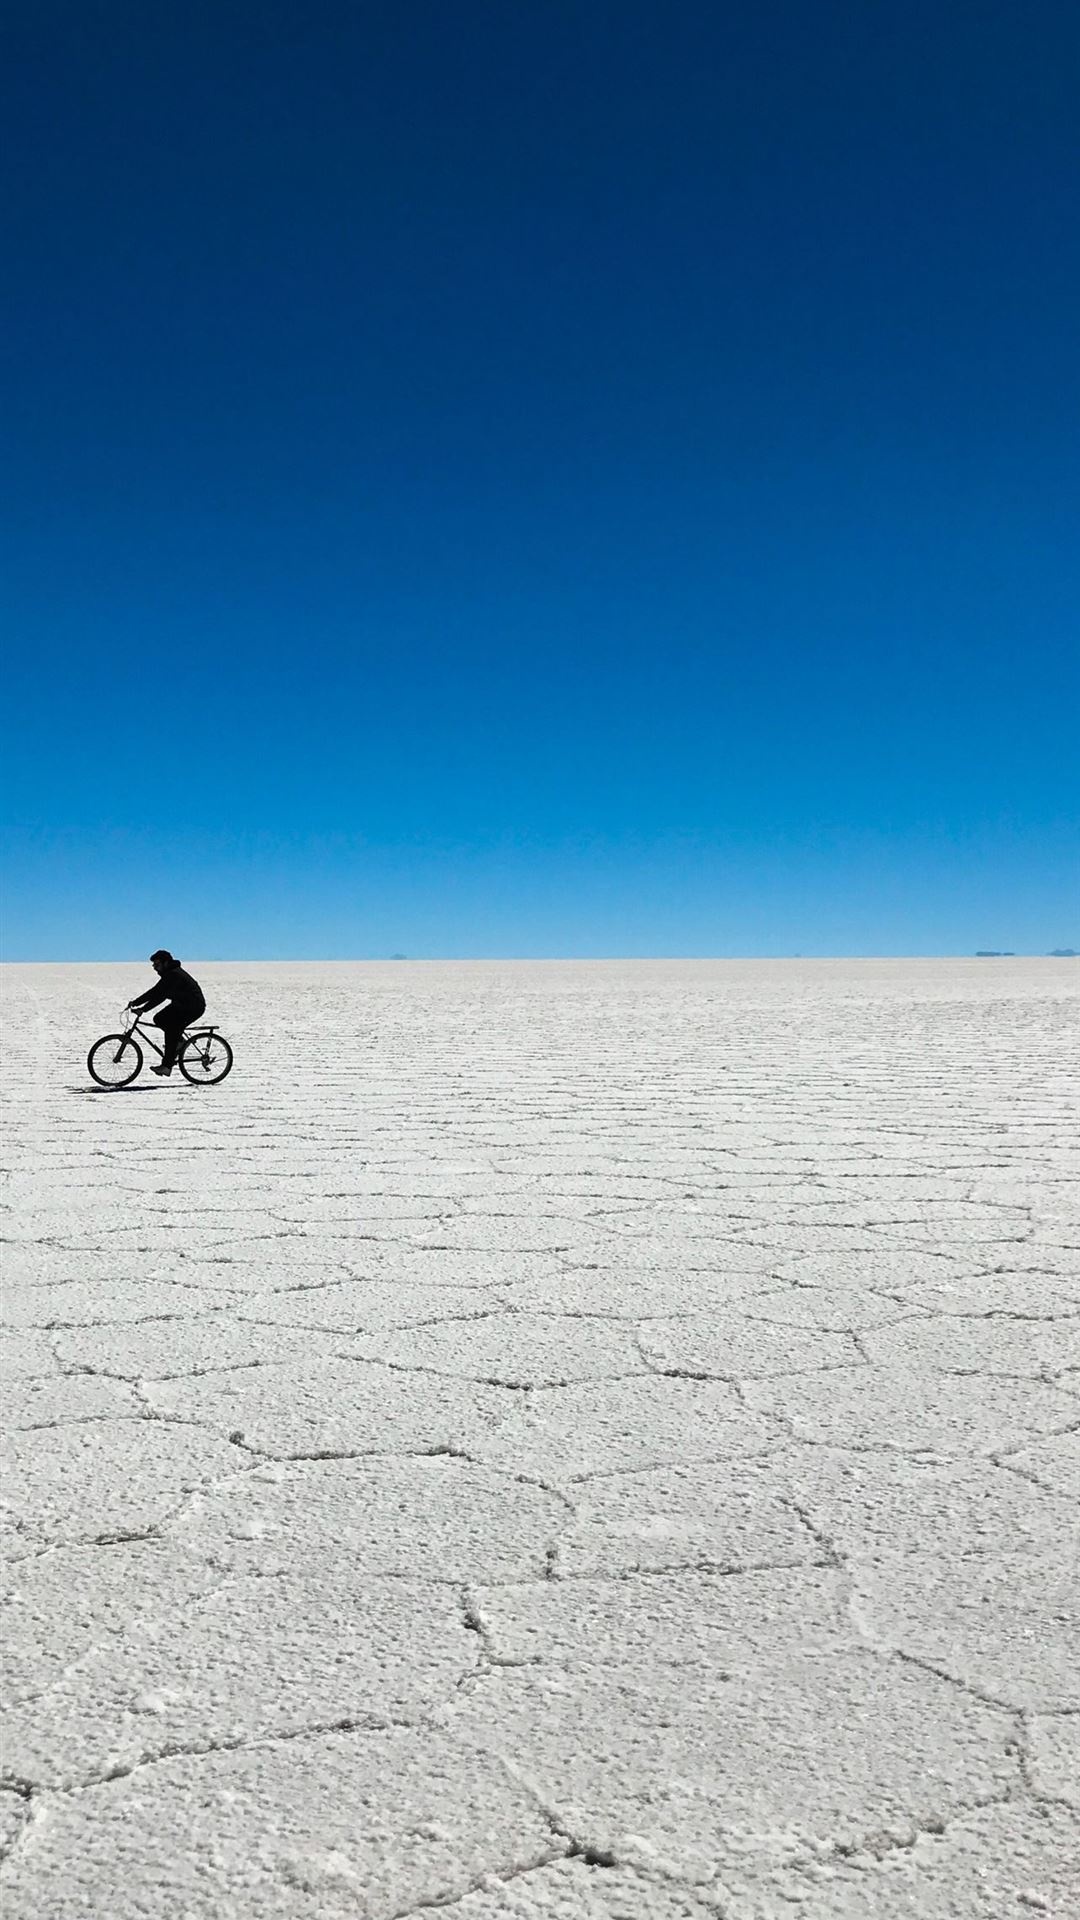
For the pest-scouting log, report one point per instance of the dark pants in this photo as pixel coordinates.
(172, 1020)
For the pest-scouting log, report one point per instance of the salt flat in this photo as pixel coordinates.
(582, 1440)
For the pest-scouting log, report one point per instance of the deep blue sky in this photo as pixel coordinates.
(542, 478)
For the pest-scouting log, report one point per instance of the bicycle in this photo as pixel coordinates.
(204, 1055)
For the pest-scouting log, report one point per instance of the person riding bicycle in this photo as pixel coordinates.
(185, 1004)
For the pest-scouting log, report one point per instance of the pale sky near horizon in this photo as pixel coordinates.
(570, 478)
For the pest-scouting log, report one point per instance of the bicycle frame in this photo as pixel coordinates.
(145, 1034)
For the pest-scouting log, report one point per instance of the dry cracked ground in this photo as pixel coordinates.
(547, 1440)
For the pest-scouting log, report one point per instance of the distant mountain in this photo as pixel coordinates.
(994, 953)
(1064, 953)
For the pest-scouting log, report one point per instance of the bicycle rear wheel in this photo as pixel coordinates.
(114, 1060)
(205, 1058)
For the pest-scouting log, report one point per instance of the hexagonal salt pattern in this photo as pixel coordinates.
(573, 1442)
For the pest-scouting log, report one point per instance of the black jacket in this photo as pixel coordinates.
(177, 986)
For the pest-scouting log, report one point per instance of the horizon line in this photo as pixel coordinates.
(542, 959)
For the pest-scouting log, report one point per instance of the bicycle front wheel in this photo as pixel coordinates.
(205, 1059)
(114, 1060)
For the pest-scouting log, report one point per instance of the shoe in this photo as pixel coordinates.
(163, 1072)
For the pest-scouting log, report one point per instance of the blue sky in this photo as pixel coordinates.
(542, 479)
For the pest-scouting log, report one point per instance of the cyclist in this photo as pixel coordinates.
(185, 1004)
